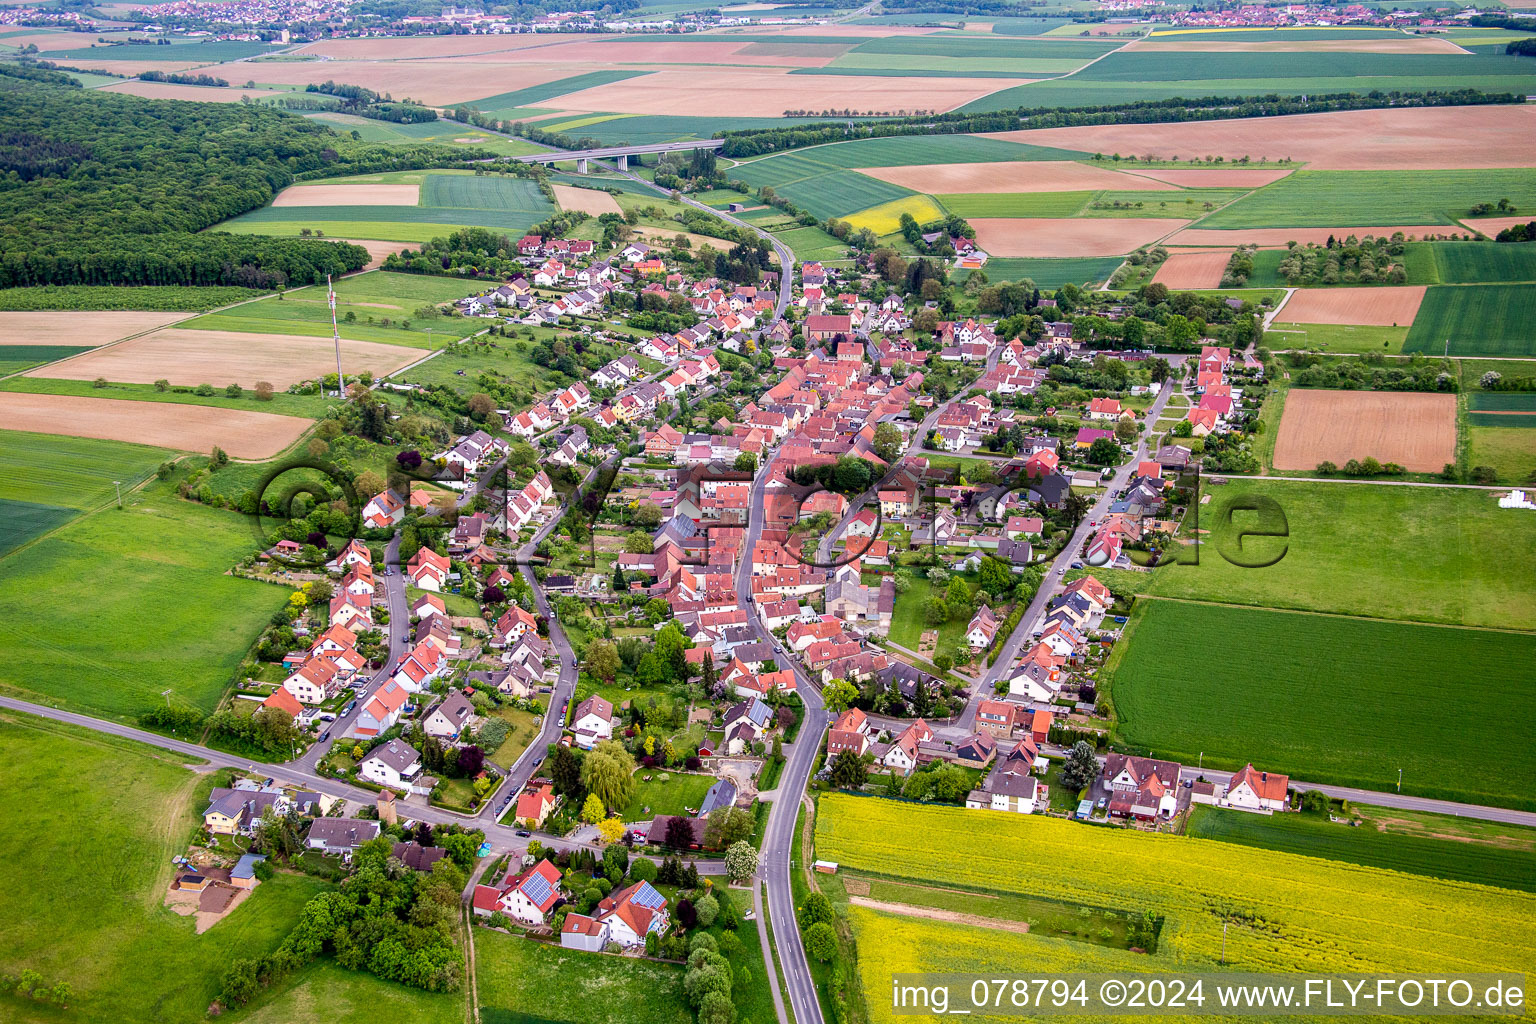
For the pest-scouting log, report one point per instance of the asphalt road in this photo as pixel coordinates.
(777, 855)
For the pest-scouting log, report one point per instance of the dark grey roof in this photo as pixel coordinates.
(397, 754)
(721, 794)
(342, 833)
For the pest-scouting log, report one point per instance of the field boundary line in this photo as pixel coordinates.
(1226, 477)
(1332, 615)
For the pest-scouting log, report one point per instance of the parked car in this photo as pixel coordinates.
(325, 735)
(523, 833)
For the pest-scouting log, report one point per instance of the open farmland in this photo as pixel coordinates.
(349, 195)
(1332, 699)
(824, 190)
(1372, 307)
(1275, 237)
(1364, 198)
(1193, 269)
(82, 329)
(1483, 263)
(244, 435)
(228, 357)
(1475, 320)
(128, 957)
(170, 619)
(1018, 176)
(585, 200)
(1435, 845)
(1047, 237)
(1318, 915)
(885, 219)
(1434, 564)
(1430, 138)
(1053, 273)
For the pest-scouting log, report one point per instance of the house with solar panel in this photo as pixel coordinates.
(525, 898)
(632, 913)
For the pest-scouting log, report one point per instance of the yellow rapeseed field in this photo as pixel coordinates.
(1285, 912)
(885, 219)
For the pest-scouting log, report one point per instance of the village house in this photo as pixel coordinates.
(525, 897)
(632, 913)
(452, 715)
(592, 722)
(392, 764)
(338, 837)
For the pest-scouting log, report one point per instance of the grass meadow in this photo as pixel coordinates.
(86, 875)
(1509, 450)
(1336, 338)
(1330, 699)
(1414, 553)
(281, 404)
(1460, 849)
(516, 978)
(1339, 199)
(672, 795)
(1049, 273)
(1475, 320)
(120, 605)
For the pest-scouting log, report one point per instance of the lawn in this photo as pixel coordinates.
(85, 869)
(666, 793)
(522, 732)
(1306, 915)
(908, 623)
(118, 606)
(461, 366)
(813, 244)
(1461, 849)
(383, 306)
(1336, 338)
(1330, 699)
(1419, 553)
(1475, 320)
(326, 993)
(518, 978)
(1336, 199)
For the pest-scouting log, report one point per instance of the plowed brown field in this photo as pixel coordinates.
(83, 328)
(1054, 236)
(585, 200)
(1388, 139)
(1415, 430)
(1193, 269)
(1378, 307)
(192, 428)
(184, 356)
(349, 195)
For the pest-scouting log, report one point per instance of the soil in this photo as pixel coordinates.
(1415, 430)
(934, 914)
(349, 195)
(1061, 237)
(192, 428)
(1378, 307)
(1193, 269)
(585, 200)
(1386, 139)
(80, 328)
(1013, 176)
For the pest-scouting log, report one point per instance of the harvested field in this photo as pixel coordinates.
(1491, 226)
(653, 50)
(191, 357)
(196, 93)
(1041, 236)
(1405, 44)
(438, 82)
(376, 250)
(1415, 430)
(193, 428)
(83, 328)
(742, 92)
(423, 46)
(1230, 177)
(1369, 307)
(349, 195)
(1193, 269)
(1270, 237)
(1015, 176)
(1391, 139)
(133, 67)
(585, 200)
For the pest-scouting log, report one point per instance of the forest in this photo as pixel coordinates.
(111, 189)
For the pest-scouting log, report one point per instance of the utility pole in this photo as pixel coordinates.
(330, 298)
(1399, 780)
(119, 485)
(167, 695)
(1224, 943)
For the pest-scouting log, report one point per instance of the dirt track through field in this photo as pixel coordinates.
(82, 328)
(1047, 237)
(1406, 44)
(191, 357)
(1215, 177)
(1366, 307)
(193, 428)
(1403, 138)
(934, 914)
(1193, 269)
(349, 195)
(1414, 429)
(1013, 176)
(585, 200)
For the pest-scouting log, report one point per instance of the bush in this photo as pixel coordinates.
(821, 942)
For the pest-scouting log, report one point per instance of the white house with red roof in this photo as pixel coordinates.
(632, 913)
(427, 569)
(381, 711)
(313, 682)
(525, 897)
(383, 510)
(354, 553)
(1253, 790)
(423, 664)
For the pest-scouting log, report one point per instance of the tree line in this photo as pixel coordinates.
(756, 141)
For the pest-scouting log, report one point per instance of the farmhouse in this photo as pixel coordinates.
(1253, 790)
